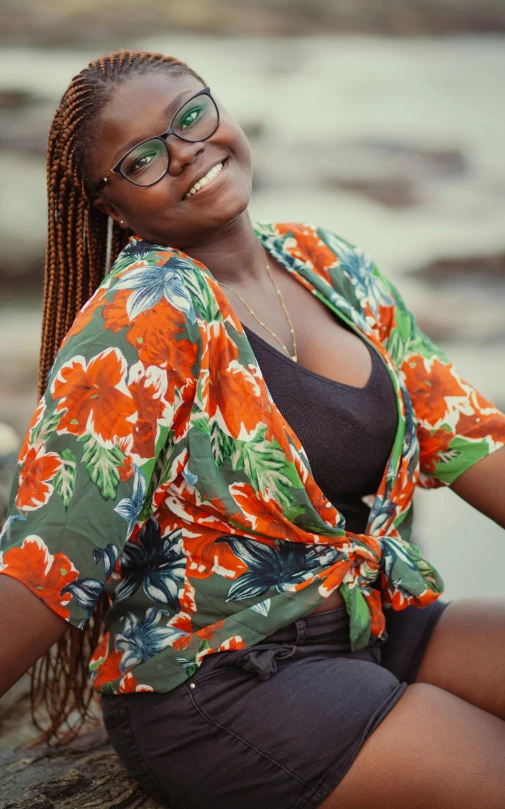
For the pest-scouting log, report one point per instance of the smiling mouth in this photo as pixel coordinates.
(209, 178)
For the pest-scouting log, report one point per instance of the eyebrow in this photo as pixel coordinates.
(174, 105)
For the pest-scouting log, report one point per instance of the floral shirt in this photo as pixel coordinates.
(157, 467)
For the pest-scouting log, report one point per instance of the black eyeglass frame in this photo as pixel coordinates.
(163, 137)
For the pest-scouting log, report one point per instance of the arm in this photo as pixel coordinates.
(461, 434)
(483, 486)
(86, 466)
(28, 630)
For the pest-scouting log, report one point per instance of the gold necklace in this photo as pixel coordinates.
(294, 355)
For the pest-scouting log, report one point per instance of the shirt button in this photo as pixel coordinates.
(192, 685)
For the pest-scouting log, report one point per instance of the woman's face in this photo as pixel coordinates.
(162, 213)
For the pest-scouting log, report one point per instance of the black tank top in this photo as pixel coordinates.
(347, 432)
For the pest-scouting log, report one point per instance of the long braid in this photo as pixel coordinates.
(76, 255)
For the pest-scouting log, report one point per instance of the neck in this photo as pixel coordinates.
(233, 255)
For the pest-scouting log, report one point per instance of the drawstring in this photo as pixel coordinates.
(262, 660)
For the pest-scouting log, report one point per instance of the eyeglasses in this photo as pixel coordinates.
(148, 161)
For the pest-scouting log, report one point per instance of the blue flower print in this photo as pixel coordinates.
(151, 284)
(155, 562)
(360, 266)
(129, 508)
(109, 555)
(282, 566)
(87, 591)
(8, 522)
(142, 639)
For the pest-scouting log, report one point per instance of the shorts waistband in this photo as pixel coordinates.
(312, 626)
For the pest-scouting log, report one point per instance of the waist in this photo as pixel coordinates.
(333, 602)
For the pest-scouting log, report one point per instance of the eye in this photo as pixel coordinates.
(190, 117)
(142, 162)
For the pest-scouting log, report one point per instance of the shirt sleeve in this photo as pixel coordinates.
(121, 383)
(456, 426)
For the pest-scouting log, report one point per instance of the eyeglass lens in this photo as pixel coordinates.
(148, 162)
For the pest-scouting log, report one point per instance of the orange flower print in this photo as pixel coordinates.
(432, 444)
(100, 651)
(227, 311)
(233, 643)
(183, 404)
(377, 619)
(147, 387)
(431, 386)
(154, 334)
(232, 390)
(206, 556)
(127, 470)
(481, 420)
(383, 321)
(115, 315)
(129, 685)
(85, 316)
(108, 670)
(38, 469)
(93, 397)
(308, 246)
(43, 573)
(34, 421)
(261, 514)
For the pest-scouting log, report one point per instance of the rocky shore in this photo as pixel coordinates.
(58, 23)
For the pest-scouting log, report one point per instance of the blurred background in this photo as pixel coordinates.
(384, 121)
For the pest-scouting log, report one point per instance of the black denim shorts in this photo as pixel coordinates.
(274, 726)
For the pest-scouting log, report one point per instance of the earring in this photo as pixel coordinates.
(121, 221)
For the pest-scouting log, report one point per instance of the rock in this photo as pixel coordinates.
(117, 21)
(395, 192)
(85, 774)
(447, 271)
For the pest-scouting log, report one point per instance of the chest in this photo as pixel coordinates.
(323, 344)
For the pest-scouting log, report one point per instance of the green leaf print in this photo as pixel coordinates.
(359, 613)
(46, 427)
(102, 464)
(222, 445)
(266, 467)
(93, 666)
(124, 260)
(204, 301)
(201, 423)
(64, 482)
(420, 343)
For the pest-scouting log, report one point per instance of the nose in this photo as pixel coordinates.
(181, 153)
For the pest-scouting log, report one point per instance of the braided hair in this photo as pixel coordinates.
(79, 245)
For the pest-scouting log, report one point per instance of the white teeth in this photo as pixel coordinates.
(205, 180)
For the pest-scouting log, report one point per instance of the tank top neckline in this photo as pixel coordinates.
(302, 369)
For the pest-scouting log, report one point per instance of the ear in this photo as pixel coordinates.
(108, 209)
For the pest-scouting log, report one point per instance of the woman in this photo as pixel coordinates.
(246, 658)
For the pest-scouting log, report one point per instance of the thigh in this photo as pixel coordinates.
(432, 749)
(466, 653)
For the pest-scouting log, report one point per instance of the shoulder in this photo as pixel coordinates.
(318, 243)
(345, 265)
(142, 306)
